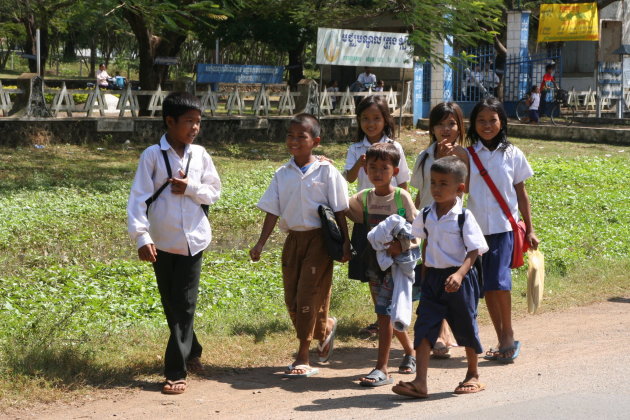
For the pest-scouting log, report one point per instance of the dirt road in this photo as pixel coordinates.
(573, 364)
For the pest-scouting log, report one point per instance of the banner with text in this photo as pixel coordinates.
(234, 73)
(348, 47)
(568, 22)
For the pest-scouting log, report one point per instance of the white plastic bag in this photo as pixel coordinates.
(535, 280)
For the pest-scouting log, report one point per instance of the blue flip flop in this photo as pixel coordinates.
(379, 378)
(491, 354)
(517, 350)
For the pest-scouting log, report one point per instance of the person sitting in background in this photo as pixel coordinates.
(103, 80)
(380, 85)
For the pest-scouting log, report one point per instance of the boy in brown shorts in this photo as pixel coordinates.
(297, 189)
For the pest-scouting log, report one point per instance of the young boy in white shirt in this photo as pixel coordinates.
(296, 191)
(175, 183)
(450, 286)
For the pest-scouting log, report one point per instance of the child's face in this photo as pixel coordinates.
(380, 172)
(300, 140)
(487, 124)
(444, 187)
(185, 128)
(536, 89)
(372, 123)
(447, 129)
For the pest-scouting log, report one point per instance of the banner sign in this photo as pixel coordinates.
(348, 47)
(234, 73)
(568, 22)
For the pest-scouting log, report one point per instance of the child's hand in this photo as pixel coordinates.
(255, 252)
(533, 240)
(360, 162)
(395, 248)
(323, 158)
(444, 148)
(453, 283)
(178, 185)
(147, 253)
(347, 252)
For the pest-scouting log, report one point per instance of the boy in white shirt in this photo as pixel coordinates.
(450, 287)
(297, 189)
(175, 183)
(534, 103)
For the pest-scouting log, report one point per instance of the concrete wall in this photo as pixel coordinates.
(26, 132)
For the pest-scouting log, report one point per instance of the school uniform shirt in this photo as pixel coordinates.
(380, 208)
(535, 101)
(295, 196)
(421, 176)
(360, 148)
(175, 223)
(445, 247)
(366, 78)
(506, 168)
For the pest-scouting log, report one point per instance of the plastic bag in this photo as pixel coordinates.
(535, 279)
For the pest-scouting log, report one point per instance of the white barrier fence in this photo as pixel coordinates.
(235, 102)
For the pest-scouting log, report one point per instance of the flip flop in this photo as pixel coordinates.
(309, 371)
(330, 339)
(491, 354)
(476, 387)
(440, 352)
(408, 389)
(408, 362)
(379, 378)
(517, 350)
(169, 387)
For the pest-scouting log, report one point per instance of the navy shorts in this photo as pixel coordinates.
(458, 308)
(533, 115)
(497, 274)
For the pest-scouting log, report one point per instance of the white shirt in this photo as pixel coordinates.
(175, 223)
(421, 177)
(102, 77)
(360, 148)
(295, 197)
(535, 101)
(366, 78)
(506, 168)
(445, 247)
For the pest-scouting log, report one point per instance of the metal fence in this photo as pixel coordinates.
(521, 73)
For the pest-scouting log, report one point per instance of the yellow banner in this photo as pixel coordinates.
(568, 22)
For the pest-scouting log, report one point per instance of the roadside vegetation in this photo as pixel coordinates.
(78, 311)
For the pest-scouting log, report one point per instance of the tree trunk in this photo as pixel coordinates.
(296, 65)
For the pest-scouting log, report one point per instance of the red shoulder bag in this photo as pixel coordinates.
(520, 244)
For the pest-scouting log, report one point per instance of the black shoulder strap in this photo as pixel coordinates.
(425, 214)
(461, 219)
(159, 190)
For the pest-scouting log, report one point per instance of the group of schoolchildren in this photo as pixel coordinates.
(465, 253)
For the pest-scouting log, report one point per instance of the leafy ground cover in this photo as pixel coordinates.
(78, 311)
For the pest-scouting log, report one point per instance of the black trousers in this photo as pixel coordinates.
(178, 282)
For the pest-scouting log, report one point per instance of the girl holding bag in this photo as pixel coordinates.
(494, 160)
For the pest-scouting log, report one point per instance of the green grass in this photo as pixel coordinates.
(77, 310)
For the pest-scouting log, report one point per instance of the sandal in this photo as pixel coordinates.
(174, 387)
(408, 365)
(379, 378)
(440, 352)
(469, 387)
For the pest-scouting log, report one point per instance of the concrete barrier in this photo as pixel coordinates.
(143, 130)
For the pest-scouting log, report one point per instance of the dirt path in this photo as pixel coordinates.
(573, 364)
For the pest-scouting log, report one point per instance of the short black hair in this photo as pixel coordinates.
(308, 120)
(179, 103)
(550, 67)
(451, 165)
(533, 88)
(383, 151)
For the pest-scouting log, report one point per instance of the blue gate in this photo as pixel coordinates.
(521, 73)
(475, 76)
